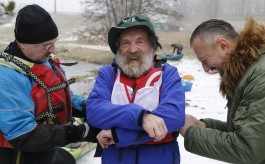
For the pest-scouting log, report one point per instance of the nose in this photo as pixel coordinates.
(133, 48)
(205, 67)
(52, 49)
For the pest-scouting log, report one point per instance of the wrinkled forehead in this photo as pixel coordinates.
(136, 32)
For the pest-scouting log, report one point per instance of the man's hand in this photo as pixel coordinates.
(75, 133)
(154, 126)
(189, 121)
(105, 138)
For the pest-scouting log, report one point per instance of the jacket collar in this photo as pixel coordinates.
(249, 43)
(14, 50)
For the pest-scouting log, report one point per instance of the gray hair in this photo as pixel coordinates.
(214, 27)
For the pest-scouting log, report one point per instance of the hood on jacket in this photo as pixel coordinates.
(249, 43)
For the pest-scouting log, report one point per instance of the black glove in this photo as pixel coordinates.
(78, 113)
(92, 134)
(76, 133)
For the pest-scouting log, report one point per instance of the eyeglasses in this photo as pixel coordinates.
(47, 47)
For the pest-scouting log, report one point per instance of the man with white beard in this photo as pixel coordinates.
(138, 101)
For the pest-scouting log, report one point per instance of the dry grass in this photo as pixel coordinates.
(87, 54)
(167, 38)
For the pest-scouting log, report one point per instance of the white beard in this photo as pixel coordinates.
(134, 65)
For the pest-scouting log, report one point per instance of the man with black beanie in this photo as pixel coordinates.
(36, 101)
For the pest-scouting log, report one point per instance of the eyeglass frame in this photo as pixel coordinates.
(47, 47)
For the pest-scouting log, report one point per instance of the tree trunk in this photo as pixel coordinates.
(113, 11)
(139, 7)
(108, 12)
(131, 9)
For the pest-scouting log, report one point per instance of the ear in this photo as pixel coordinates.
(223, 45)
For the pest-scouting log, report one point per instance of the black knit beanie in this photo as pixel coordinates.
(34, 25)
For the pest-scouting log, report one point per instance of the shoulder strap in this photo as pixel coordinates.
(159, 62)
(15, 63)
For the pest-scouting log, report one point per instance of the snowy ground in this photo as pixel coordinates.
(203, 101)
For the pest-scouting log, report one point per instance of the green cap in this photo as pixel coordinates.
(134, 21)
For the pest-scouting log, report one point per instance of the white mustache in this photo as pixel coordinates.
(133, 56)
(144, 63)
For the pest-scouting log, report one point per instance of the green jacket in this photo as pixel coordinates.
(242, 138)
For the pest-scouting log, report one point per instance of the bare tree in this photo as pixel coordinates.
(9, 8)
(100, 15)
(6, 12)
